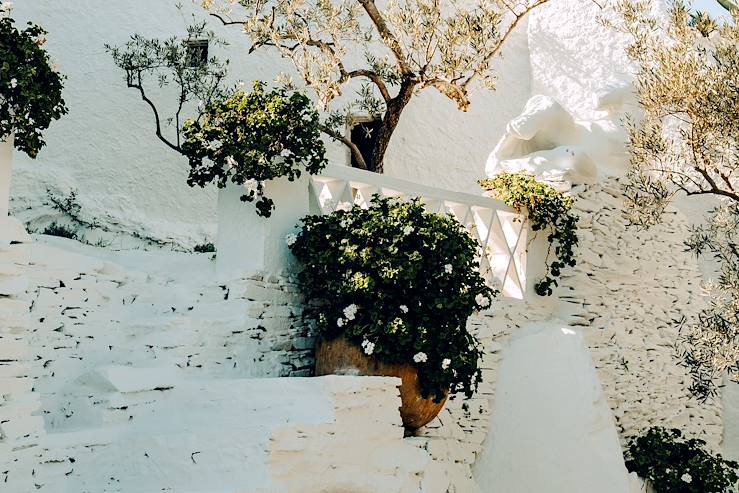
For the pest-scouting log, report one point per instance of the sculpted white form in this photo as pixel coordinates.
(545, 140)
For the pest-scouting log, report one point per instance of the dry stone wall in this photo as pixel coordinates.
(96, 326)
(626, 290)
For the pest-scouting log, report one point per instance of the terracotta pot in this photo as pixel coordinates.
(341, 357)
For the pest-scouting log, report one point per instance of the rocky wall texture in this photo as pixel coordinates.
(115, 378)
(21, 426)
(626, 290)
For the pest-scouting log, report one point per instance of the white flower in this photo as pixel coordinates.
(291, 239)
(668, 470)
(251, 185)
(687, 478)
(445, 363)
(344, 206)
(408, 230)
(13, 83)
(340, 322)
(350, 311)
(420, 357)
(403, 308)
(482, 300)
(448, 268)
(231, 161)
(369, 347)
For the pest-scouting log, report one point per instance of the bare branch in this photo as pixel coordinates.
(138, 85)
(376, 79)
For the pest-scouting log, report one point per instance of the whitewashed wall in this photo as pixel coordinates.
(128, 180)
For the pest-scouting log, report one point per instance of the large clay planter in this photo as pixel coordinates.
(341, 357)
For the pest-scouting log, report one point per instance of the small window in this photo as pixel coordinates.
(363, 134)
(197, 51)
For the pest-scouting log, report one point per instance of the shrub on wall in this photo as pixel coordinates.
(30, 89)
(674, 464)
(251, 137)
(399, 282)
(547, 209)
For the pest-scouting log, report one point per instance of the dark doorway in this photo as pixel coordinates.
(363, 134)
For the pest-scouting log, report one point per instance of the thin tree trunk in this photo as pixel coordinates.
(389, 122)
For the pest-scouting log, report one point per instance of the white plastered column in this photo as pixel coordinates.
(247, 242)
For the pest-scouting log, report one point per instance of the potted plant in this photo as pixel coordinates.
(30, 96)
(389, 290)
(672, 463)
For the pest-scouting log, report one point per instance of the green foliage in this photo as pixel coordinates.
(547, 208)
(55, 229)
(252, 137)
(674, 464)
(204, 248)
(400, 282)
(30, 89)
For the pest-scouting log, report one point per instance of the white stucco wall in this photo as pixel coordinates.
(128, 180)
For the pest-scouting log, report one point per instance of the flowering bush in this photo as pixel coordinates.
(253, 137)
(30, 89)
(677, 465)
(399, 282)
(547, 208)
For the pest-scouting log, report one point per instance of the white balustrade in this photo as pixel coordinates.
(247, 242)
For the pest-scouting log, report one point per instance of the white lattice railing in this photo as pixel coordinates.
(499, 229)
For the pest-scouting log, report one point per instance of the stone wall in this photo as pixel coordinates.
(94, 320)
(21, 426)
(117, 379)
(628, 287)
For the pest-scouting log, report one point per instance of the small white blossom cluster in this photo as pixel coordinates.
(687, 478)
(369, 347)
(340, 322)
(251, 185)
(448, 268)
(13, 83)
(231, 162)
(420, 357)
(408, 230)
(291, 239)
(482, 300)
(445, 363)
(350, 312)
(403, 308)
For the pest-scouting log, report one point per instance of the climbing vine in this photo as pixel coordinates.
(547, 209)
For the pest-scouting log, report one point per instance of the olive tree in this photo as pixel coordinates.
(406, 46)
(687, 142)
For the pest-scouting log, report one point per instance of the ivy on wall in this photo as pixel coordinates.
(547, 209)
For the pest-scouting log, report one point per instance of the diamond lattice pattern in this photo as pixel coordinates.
(500, 233)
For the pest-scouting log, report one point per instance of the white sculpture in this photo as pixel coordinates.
(547, 141)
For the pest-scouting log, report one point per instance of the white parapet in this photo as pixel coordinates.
(247, 242)
(6, 167)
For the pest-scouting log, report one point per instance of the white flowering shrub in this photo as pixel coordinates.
(30, 88)
(674, 464)
(251, 137)
(399, 282)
